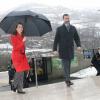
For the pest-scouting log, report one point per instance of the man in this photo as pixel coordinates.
(64, 44)
(96, 61)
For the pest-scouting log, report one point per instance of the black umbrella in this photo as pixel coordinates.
(34, 24)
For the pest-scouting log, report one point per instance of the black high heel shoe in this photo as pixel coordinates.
(21, 92)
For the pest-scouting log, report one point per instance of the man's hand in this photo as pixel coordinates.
(79, 49)
(55, 53)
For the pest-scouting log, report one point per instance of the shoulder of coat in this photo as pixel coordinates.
(59, 27)
(72, 26)
(13, 36)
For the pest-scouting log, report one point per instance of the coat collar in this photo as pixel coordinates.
(66, 28)
(19, 36)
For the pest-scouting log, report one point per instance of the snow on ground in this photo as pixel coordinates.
(91, 71)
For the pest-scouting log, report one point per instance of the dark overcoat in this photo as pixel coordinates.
(64, 41)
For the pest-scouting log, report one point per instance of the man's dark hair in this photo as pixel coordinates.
(65, 15)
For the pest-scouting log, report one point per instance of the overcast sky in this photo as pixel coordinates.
(72, 4)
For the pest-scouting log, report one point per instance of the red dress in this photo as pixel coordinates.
(18, 56)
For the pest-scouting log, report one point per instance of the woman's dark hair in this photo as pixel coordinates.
(15, 32)
(65, 15)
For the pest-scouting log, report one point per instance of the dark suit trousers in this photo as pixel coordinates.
(66, 66)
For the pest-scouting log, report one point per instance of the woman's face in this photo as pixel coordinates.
(19, 29)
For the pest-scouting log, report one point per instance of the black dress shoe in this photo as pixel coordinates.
(21, 92)
(98, 74)
(68, 83)
(71, 83)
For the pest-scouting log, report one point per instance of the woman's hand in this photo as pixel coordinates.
(24, 39)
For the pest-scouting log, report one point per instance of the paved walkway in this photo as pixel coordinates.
(83, 89)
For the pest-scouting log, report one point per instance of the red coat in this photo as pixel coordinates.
(18, 56)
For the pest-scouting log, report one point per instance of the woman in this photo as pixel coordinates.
(19, 58)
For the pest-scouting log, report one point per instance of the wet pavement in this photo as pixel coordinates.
(86, 88)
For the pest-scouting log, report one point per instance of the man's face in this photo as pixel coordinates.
(66, 19)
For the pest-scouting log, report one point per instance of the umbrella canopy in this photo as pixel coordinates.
(34, 24)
